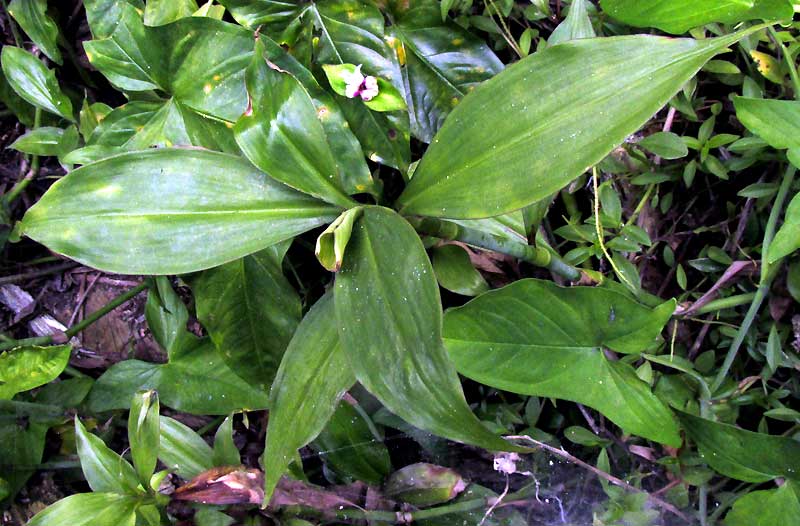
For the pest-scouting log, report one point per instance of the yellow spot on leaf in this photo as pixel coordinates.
(217, 77)
(322, 113)
(361, 187)
(457, 41)
(207, 89)
(89, 56)
(453, 101)
(229, 124)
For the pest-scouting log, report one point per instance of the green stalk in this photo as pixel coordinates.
(80, 326)
(767, 275)
(726, 303)
(538, 256)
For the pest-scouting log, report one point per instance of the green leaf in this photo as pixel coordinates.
(200, 61)
(47, 141)
(740, 454)
(766, 508)
(104, 470)
(140, 125)
(517, 139)
(23, 446)
(282, 135)
(143, 434)
(196, 381)
(250, 311)
(775, 121)
(347, 152)
(32, 81)
(182, 450)
(160, 12)
(441, 64)
(31, 15)
(273, 15)
(678, 16)
(455, 272)
(167, 316)
(104, 15)
(502, 516)
(22, 110)
(787, 240)
(536, 338)
(665, 144)
(390, 321)
(387, 99)
(312, 378)
(24, 368)
(348, 446)
(89, 509)
(168, 211)
(575, 26)
(332, 242)
(225, 451)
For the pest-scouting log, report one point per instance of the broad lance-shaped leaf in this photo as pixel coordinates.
(787, 240)
(347, 152)
(312, 378)
(86, 509)
(576, 25)
(281, 133)
(160, 12)
(536, 338)
(168, 211)
(103, 469)
(272, 15)
(250, 311)
(743, 455)
(198, 60)
(532, 129)
(678, 16)
(775, 121)
(31, 15)
(442, 63)
(767, 508)
(390, 325)
(195, 380)
(32, 81)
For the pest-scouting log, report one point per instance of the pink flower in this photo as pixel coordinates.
(357, 85)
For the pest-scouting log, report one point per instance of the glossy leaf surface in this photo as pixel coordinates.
(312, 378)
(455, 272)
(140, 125)
(532, 129)
(536, 338)
(282, 135)
(198, 60)
(576, 25)
(787, 239)
(24, 368)
(743, 455)
(775, 121)
(103, 468)
(46, 140)
(104, 15)
(195, 381)
(678, 16)
(160, 12)
(390, 321)
(32, 81)
(168, 211)
(89, 509)
(225, 451)
(766, 508)
(182, 450)
(143, 433)
(250, 311)
(31, 15)
(273, 15)
(443, 64)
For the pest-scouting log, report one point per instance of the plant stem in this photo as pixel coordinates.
(725, 303)
(538, 256)
(81, 325)
(767, 275)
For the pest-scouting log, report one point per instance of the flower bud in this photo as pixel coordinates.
(424, 484)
